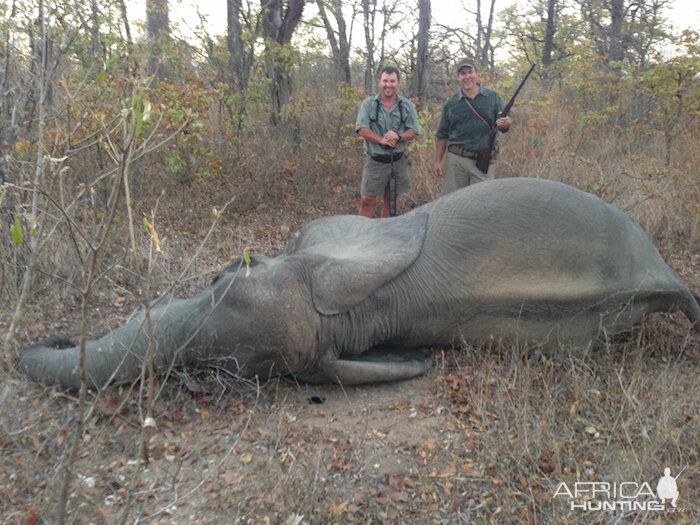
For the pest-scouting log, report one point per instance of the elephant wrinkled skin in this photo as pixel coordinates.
(357, 300)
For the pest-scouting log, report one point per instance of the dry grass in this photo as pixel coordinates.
(485, 436)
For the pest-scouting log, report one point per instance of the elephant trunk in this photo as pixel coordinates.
(119, 355)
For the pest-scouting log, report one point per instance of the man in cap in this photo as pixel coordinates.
(466, 121)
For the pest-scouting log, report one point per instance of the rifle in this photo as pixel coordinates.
(484, 158)
(392, 187)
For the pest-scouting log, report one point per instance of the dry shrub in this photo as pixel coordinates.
(620, 413)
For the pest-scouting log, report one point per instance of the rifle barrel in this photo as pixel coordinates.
(522, 83)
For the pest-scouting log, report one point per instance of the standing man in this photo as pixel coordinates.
(386, 122)
(464, 128)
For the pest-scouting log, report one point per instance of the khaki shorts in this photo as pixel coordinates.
(375, 177)
(461, 172)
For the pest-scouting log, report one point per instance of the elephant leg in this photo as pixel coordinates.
(372, 367)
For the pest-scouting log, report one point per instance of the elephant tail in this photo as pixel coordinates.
(693, 311)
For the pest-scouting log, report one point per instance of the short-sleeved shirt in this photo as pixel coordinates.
(374, 115)
(459, 125)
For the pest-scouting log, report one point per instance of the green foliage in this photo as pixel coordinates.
(140, 111)
(673, 82)
(594, 90)
(174, 164)
(246, 258)
(281, 56)
(672, 90)
(524, 26)
(16, 231)
(190, 158)
(111, 45)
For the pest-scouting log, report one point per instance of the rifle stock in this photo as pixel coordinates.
(484, 158)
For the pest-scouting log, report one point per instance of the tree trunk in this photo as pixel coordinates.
(368, 14)
(157, 31)
(240, 60)
(279, 20)
(94, 29)
(482, 42)
(127, 30)
(338, 40)
(422, 69)
(487, 58)
(617, 14)
(549, 34)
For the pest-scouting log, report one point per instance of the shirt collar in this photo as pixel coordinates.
(463, 94)
(378, 98)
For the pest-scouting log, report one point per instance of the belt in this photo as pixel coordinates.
(386, 159)
(459, 150)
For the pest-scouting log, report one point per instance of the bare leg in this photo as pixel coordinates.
(385, 205)
(367, 205)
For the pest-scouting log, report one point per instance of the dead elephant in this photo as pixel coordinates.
(353, 300)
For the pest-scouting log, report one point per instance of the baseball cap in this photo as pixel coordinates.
(466, 62)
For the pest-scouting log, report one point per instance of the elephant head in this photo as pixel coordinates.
(236, 323)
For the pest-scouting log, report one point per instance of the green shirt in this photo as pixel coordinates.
(459, 125)
(401, 117)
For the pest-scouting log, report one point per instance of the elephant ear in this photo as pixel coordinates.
(351, 256)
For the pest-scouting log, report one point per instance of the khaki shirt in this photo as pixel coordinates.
(459, 125)
(384, 120)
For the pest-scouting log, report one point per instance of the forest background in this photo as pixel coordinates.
(140, 158)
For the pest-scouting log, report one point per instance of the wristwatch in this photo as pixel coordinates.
(399, 134)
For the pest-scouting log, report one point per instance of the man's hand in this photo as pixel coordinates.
(440, 147)
(503, 123)
(390, 138)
